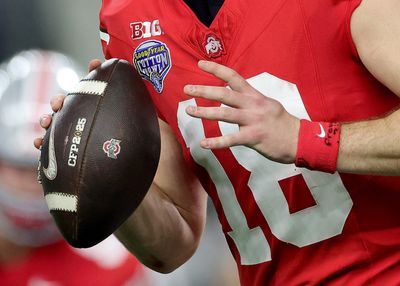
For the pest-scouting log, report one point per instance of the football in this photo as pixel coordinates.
(100, 153)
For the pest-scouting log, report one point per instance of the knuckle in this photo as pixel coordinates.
(195, 90)
(204, 91)
(258, 115)
(220, 96)
(224, 142)
(260, 101)
(225, 112)
(216, 142)
(220, 142)
(203, 112)
(195, 110)
(258, 133)
(230, 140)
(255, 134)
(232, 73)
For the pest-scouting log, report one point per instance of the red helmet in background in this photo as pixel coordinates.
(27, 83)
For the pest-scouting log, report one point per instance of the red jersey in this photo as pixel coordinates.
(284, 225)
(106, 264)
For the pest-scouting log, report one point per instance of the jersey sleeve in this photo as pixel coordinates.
(353, 4)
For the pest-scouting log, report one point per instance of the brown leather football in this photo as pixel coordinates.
(100, 154)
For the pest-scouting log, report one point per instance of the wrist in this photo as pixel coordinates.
(318, 146)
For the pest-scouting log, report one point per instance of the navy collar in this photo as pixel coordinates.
(205, 10)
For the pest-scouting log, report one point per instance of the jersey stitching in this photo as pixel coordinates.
(265, 27)
(349, 13)
(308, 36)
(315, 63)
(239, 27)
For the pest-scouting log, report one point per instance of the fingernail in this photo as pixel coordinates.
(206, 143)
(43, 118)
(191, 109)
(56, 99)
(190, 88)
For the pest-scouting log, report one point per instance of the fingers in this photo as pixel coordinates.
(226, 114)
(56, 104)
(226, 141)
(45, 121)
(38, 142)
(93, 64)
(57, 101)
(231, 77)
(220, 94)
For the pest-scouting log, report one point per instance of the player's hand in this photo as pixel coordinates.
(264, 124)
(56, 103)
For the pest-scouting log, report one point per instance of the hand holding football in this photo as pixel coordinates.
(100, 154)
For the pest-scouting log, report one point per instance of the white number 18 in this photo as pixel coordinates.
(308, 226)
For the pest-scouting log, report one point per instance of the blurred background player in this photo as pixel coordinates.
(32, 251)
(48, 25)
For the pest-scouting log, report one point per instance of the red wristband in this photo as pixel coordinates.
(318, 146)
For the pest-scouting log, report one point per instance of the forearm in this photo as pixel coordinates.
(161, 234)
(371, 147)
(165, 229)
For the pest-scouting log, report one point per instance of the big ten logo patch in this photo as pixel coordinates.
(142, 30)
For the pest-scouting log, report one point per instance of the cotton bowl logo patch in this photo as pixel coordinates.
(153, 62)
(112, 148)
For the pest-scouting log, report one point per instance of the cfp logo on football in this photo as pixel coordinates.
(144, 30)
